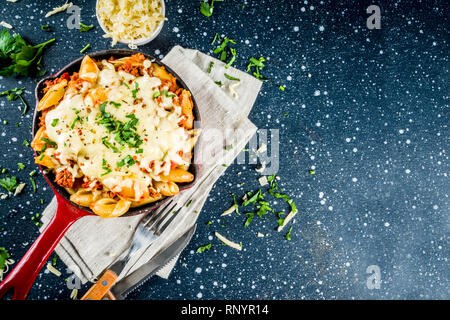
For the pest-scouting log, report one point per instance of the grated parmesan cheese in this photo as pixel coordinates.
(74, 294)
(59, 9)
(231, 89)
(287, 219)
(263, 181)
(228, 242)
(53, 270)
(19, 189)
(129, 20)
(229, 211)
(6, 25)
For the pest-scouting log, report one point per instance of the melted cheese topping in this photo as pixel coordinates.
(81, 138)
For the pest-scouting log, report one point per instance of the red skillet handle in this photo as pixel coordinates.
(25, 272)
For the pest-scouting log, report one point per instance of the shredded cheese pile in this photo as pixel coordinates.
(129, 20)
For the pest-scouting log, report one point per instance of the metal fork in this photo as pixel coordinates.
(148, 230)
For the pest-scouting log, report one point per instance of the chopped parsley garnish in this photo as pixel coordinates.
(77, 119)
(249, 219)
(219, 83)
(203, 248)
(189, 203)
(228, 147)
(20, 165)
(128, 161)
(135, 91)
(105, 167)
(171, 95)
(156, 94)
(124, 133)
(115, 104)
(230, 77)
(282, 88)
(55, 122)
(85, 28)
(139, 150)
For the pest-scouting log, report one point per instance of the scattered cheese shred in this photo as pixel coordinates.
(74, 294)
(260, 235)
(232, 244)
(263, 181)
(19, 189)
(229, 211)
(6, 25)
(53, 270)
(59, 9)
(287, 219)
(232, 89)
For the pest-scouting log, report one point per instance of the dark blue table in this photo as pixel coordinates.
(366, 109)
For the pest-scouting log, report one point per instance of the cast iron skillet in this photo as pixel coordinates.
(23, 275)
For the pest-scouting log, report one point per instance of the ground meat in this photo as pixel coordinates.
(64, 178)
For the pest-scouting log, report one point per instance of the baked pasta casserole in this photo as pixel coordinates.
(117, 134)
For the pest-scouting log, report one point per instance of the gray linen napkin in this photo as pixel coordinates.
(92, 243)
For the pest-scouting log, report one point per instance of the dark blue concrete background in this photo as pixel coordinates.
(372, 119)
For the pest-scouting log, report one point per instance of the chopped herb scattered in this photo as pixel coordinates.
(208, 223)
(228, 147)
(156, 94)
(13, 94)
(9, 183)
(312, 172)
(85, 48)
(128, 161)
(256, 65)
(230, 77)
(207, 7)
(189, 203)
(20, 165)
(46, 28)
(105, 167)
(55, 122)
(115, 104)
(282, 88)
(4, 256)
(135, 91)
(211, 65)
(288, 235)
(85, 28)
(203, 248)
(33, 184)
(216, 36)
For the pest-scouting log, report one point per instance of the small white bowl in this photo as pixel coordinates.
(137, 42)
